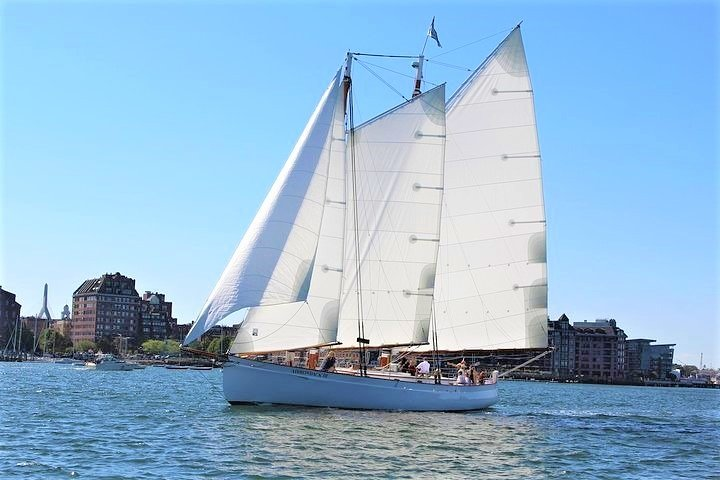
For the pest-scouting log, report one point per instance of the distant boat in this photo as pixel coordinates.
(200, 368)
(386, 235)
(64, 361)
(176, 367)
(108, 362)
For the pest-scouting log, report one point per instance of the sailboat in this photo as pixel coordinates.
(421, 229)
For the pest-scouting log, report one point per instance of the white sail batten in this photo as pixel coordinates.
(313, 321)
(275, 260)
(491, 285)
(397, 191)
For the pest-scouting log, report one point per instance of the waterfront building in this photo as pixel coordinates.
(599, 349)
(561, 337)
(104, 308)
(180, 332)
(156, 320)
(9, 313)
(220, 331)
(63, 327)
(646, 361)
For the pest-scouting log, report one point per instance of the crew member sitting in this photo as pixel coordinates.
(329, 362)
(423, 368)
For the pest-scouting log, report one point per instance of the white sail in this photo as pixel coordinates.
(313, 321)
(491, 286)
(274, 262)
(398, 174)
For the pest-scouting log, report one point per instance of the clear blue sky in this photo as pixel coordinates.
(141, 138)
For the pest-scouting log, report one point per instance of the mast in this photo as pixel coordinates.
(347, 81)
(418, 78)
(361, 340)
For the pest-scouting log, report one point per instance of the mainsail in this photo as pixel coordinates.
(393, 222)
(491, 285)
(275, 260)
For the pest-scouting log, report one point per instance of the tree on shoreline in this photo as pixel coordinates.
(84, 346)
(156, 347)
(53, 341)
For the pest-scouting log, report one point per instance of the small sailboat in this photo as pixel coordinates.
(422, 229)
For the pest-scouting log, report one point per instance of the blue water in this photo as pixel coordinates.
(61, 421)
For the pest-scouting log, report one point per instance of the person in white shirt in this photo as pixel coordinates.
(462, 379)
(423, 368)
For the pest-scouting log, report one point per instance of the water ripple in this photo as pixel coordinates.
(61, 422)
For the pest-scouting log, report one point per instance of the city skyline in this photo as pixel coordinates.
(157, 131)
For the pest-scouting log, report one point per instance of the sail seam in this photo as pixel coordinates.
(507, 127)
(484, 212)
(464, 159)
(519, 180)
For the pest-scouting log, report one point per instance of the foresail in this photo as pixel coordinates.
(287, 326)
(274, 262)
(313, 321)
(398, 177)
(491, 287)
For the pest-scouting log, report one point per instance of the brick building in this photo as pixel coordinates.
(594, 350)
(107, 307)
(9, 313)
(156, 320)
(599, 349)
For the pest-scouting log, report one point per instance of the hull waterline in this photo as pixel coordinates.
(251, 382)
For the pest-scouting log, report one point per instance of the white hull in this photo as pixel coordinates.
(251, 382)
(110, 366)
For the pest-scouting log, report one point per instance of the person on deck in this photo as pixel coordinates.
(403, 365)
(423, 368)
(460, 366)
(462, 379)
(329, 362)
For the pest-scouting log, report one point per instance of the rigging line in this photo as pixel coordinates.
(449, 65)
(383, 80)
(526, 363)
(473, 43)
(400, 73)
(361, 326)
(436, 355)
(381, 55)
(213, 385)
(388, 70)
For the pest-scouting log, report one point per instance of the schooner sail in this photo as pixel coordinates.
(276, 262)
(367, 232)
(491, 287)
(396, 194)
